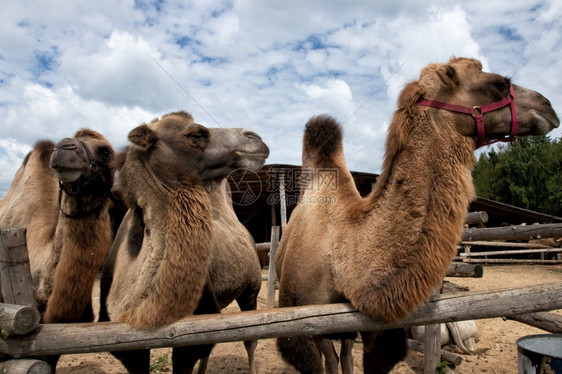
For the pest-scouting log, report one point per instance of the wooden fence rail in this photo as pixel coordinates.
(56, 339)
(521, 232)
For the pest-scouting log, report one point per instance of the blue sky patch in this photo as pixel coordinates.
(510, 33)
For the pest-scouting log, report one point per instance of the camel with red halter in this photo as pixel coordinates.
(387, 251)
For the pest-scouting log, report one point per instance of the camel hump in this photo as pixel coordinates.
(45, 149)
(322, 141)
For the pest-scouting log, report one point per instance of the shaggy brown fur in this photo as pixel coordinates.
(386, 252)
(235, 271)
(65, 253)
(165, 255)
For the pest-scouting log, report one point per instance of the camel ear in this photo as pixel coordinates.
(143, 137)
(448, 75)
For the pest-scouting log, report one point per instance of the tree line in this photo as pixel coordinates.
(526, 173)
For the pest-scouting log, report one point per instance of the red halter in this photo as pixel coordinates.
(478, 111)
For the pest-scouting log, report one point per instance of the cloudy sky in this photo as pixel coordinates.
(263, 65)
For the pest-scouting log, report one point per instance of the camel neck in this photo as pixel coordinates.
(172, 266)
(80, 246)
(81, 205)
(415, 220)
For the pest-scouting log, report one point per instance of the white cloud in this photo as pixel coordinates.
(12, 153)
(268, 66)
(335, 90)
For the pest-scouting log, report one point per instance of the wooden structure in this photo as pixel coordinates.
(54, 339)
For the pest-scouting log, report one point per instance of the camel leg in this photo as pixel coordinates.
(52, 361)
(331, 360)
(203, 365)
(87, 316)
(383, 349)
(250, 346)
(346, 356)
(301, 353)
(136, 362)
(184, 358)
(248, 300)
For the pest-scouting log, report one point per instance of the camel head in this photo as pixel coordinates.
(461, 82)
(181, 152)
(85, 160)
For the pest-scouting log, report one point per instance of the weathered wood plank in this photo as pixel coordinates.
(452, 358)
(271, 276)
(511, 252)
(476, 217)
(459, 269)
(18, 319)
(54, 339)
(548, 230)
(481, 243)
(263, 246)
(26, 366)
(15, 274)
(509, 261)
(546, 321)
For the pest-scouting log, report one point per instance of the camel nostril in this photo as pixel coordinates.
(252, 135)
(67, 144)
(67, 147)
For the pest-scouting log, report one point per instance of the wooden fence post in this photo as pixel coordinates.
(283, 200)
(19, 315)
(15, 274)
(271, 277)
(432, 345)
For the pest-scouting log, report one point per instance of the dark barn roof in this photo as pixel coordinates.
(256, 199)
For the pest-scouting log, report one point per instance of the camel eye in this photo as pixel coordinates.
(104, 152)
(198, 135)
(198, 138)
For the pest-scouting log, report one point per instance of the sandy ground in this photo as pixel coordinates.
(496, 348)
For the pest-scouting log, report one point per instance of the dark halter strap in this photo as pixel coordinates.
(478, 112)
(76, 191)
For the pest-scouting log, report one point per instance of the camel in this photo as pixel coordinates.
(61, 194)
(385, 253)
(180, 249)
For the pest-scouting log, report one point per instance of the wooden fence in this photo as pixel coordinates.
(24, 337)
(510, 242)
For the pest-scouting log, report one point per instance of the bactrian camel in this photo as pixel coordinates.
(386, 252)
(172, 250)
(61, 194)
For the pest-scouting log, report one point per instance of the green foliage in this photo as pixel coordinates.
(161, 364)
(526, 173)
(442, 367)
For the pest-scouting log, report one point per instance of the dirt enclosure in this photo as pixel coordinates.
(496, 349)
